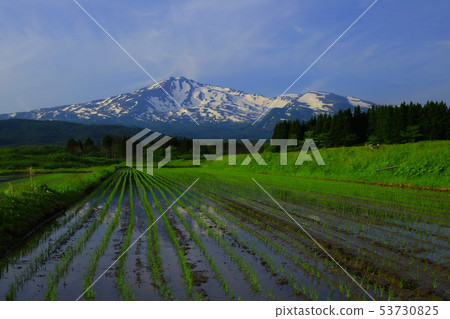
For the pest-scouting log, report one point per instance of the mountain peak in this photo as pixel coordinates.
(205, 103)
(181, 78)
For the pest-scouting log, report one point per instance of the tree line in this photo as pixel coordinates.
(383, 124)
(115, 147)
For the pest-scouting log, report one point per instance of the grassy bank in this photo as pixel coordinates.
(423, 164)
(26, 203)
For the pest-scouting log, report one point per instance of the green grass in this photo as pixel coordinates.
(422, 164)
(14, 160)
(55, 181)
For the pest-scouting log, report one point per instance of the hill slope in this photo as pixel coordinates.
(421, 164)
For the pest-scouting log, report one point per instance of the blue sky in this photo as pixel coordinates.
(52, 54)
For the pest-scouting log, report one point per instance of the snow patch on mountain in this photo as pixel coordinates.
(355, 102)
(315, 100)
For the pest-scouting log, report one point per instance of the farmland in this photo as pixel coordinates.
(226, 239)
(29, 199)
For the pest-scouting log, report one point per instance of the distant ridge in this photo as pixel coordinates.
(17, 132)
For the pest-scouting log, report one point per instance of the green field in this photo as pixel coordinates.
(422, 164)
(216, 232)
(45, 159)
(32, 199)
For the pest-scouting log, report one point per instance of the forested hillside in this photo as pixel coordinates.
(385, 124)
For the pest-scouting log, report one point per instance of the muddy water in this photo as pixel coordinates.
(235, 279)
(205, 280)
(271, 287)
(172, 272)
(106, 287)
(137, 262)
(205, 285)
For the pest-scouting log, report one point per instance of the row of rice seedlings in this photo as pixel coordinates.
(154, 252)
(306, 266)
(428, 199)
(217, 273)
(273, 216)
(100, 250)
(285, 195)
(277, 269)
(62, 265)
(314, 271)
(405, 243)
(353, 263)
(339, 206)
(391, 261)
(247, 270)
(360, 213)
(390, 257)
(186, 270)
(391, 215)
(236, 188)
(55, 225)
(411, 203)
(124, 287)
(270, 221)
(33, 266)
(104, 185)
(271, 244)
(277, 223)
(356, 190)
(384, 235)
(223, 202)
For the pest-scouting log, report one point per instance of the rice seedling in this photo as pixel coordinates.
(198, 242)
(248, 270)
(394, 239)
(154, 253)
(124, 287)
(93, 262)
(63, 263)
(31, 268)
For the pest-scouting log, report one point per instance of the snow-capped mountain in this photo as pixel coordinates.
(310, 104)
(176, 101)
